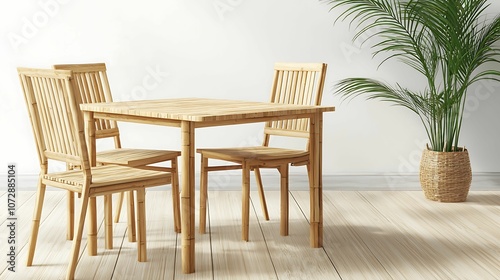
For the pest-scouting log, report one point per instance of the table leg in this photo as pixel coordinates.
(92, 215)
(316, 188)
(188, 197)
(90, 134)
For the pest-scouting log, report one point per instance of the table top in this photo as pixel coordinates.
(202, 109)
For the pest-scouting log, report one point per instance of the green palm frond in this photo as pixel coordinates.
(353, 87)
(449, 42)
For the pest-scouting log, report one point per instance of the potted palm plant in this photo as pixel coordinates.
(452, 44)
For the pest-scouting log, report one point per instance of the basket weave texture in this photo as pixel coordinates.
(445, 176)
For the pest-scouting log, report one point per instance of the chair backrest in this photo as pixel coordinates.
(91, 84)
(56, 120)
(295, 83)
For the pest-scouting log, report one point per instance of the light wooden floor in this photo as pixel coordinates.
(367, 235)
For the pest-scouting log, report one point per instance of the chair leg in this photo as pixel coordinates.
(176, 197)
(309, 177)
(92, 227)
(77, 240)
(284, 200)
(71, 215)
(141, 226)
(40, 195)
(245, 210)
(119, 207)
(262, 196)
(71, 209)
(131, 217)
(203, 194)
(108, 216)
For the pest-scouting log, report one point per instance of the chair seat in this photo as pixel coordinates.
(259, 153)
(109, 175)
(135, 157)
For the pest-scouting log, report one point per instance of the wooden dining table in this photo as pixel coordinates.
(191, 113)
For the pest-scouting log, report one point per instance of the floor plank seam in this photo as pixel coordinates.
(44, 218)
(323, 247)
(210, 237)
(301, 210)
(177, 240)
(264, 238)
(119, 253)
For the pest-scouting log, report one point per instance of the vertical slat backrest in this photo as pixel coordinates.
(56, 121)
(295, 83)
(91, 83)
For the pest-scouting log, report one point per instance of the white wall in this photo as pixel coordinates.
(223, 49)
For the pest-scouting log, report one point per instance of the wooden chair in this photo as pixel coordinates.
(90, 82)
(59, 135)
(294, 83)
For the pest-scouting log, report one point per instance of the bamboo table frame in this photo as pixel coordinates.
(191, 113)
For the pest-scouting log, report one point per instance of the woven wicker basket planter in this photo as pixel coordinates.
(445, 176)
